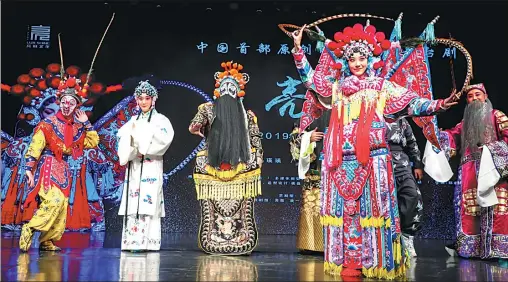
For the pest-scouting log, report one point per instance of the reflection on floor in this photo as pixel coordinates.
(97, 257)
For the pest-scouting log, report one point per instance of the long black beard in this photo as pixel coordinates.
(477, 127)
(227, 140)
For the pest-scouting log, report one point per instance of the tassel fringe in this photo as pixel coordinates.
(245, 186)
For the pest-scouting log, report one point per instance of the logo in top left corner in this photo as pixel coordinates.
(38, 37)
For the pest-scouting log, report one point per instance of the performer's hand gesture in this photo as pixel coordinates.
(451, 101)
(81, 116)
(196, 131)
(297, 37)
(418, 173)
(316, 136)
(30, 177)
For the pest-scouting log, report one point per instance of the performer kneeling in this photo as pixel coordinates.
(56, 139)
(228, 169)
(143, 141)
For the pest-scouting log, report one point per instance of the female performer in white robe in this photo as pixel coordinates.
(143, 140)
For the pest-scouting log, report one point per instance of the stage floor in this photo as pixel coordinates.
(97, 257)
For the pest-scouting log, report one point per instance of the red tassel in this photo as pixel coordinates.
(363, 148)
(341, 137)
(350, 272)
(329, 148)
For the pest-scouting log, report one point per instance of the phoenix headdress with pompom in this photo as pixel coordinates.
(232, 72)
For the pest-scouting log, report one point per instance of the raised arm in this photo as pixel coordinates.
(201, 119)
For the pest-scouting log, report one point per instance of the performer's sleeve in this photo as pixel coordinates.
(502, 125)
(450, 139)
(255, 137)
(411, 148)
(295, 139)
(200, 120)
(126, 149)
(91, 136)
(304, 68)
(401, 102)
(35, 148)
(154, 138)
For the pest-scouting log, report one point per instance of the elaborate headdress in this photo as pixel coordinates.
(231, 73)
(365, 41)
(478, 86)
(144, 87)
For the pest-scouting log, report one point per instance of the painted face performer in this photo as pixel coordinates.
(228, 170)
(358, 201)
(144, 139)
(481, 209)
(56, 140)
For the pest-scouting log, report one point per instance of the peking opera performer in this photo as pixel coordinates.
(358, 202)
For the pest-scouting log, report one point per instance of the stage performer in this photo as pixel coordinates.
(228, 170)
(358, 201)
(404, 150)
(57, 140)
(143, 140)
(480, 200)
(306, 147)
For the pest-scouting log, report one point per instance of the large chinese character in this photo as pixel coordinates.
(243, 47)
(307, 49)
(288, 97)
(263, 48)
(40, 33)
(202, 46)
(430, 53)
(449, 52)
(222, 47)
(283, 50)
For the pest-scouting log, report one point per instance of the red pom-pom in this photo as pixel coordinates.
(338, 52)
(17, 89)
(386, 44)
(29, 116)
(348, 31)
(333, 45)
(355, 37)
(381, 63)
(71, 82)
(41, 84)
(370, 40)
(34, 92)
(36, 72)
(72, 70)
(347, 40)
(338, 36)
(380, 36)
(337, 66)
(27, 100)
(376, 65)
(358, 27)
(53, 68)
(21, 116)
(24, 79)
(97, 88)
(377, 51)
(370, 29)
(341, 45)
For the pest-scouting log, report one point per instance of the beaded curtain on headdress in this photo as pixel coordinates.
(231, 73)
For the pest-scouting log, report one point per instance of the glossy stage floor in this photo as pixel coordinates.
(97, 257)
